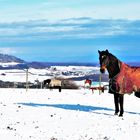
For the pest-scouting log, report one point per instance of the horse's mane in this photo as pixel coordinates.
(113, 56)
(114, 65)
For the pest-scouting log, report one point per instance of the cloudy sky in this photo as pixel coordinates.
(70, 31)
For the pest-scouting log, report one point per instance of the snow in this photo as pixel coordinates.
(41, 114)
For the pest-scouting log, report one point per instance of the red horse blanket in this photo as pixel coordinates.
(128, 80)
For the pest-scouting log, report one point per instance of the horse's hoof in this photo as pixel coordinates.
(121, 115)
(115, 113)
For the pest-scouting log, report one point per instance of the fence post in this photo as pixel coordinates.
(100, 79)
(41, 85)
(27, 80)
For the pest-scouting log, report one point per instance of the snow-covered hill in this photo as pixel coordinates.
(41, 114)
(76, 73)
(5, 58)
(14, 69)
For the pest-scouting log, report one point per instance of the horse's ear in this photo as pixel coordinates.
(99, 52)
(107, 51)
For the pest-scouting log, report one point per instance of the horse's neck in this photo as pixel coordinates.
(114, 68)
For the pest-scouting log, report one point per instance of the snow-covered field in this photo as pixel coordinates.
(41, 114)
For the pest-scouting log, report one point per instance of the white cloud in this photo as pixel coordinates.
(118, 11)
(56, 10)
(7, 50)
(71, 28)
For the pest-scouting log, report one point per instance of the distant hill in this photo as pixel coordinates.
(11, 62)
(137, 64)
(4, 58)
(37, 65)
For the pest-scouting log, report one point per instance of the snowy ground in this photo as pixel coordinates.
(41, 114)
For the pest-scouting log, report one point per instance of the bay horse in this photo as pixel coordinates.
(123, 79)
(53, 83)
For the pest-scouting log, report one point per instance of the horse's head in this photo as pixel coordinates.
(46, 82)
(104, 60)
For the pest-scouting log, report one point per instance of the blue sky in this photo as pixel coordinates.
(70, 31)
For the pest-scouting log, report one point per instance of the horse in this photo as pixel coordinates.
(123, 79)
(87, 83)
(53, 83)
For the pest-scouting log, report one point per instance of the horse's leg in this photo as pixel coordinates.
(51, 88)
(116, 102)
(121, 98)
(59, 88)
